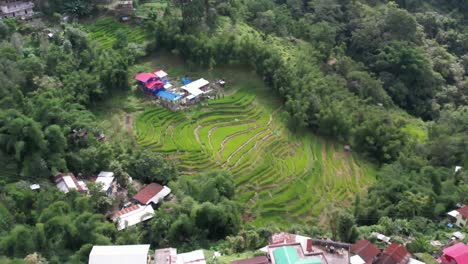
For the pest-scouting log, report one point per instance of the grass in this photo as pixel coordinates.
(281, 177)
(104, 31)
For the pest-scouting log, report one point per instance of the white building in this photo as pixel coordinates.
(127, 254)
(132, 215)
(459, 217)
(194, 88)
(16, 9)
(170, 256)
(105, 178)
(67, 182)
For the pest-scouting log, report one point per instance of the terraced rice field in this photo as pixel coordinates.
(280, 177)
(104, 31)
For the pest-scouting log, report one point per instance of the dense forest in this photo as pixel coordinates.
(390, 78)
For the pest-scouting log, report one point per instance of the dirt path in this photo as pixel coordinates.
(240, 148)
(197, 136)
(251, 149)
(244, 132)
(129, 123)
(324, 158)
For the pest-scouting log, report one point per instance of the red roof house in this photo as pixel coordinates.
(366, 250)
(144, 77)
(456, 254)
(394, 254)
(154, 84)
(152, 193)
(464, 211)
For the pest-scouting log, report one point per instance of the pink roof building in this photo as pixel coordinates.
(144, 77)
(456, 254)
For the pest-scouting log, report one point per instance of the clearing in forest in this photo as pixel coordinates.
(281, 177)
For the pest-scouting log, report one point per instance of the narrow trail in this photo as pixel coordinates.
(251, 149)
(212, 130)
(195, 133)
(324, 166)
(129, 123)
(244, 132)
(241, 147)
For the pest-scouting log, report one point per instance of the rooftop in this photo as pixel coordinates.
(463, 211)
(153, 192)
(67, 182)
(105, 178)
(144, 77)
(193, 257)
(194, 87)
(132, 215)
(395, 253)
(126, 254)
(365, 249)
(165, 256)
(459, 252)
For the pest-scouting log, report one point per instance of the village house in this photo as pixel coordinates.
(124, 8)
(16, 9)
(292, 254)
(152, 194)
(132, 215)
(364, 252)
(394, 254)
(67, 182)
(170, 256)
(156, 84)
(456, 254)
(125, 254)
(194, 90)
(459, 217)
(106, 178)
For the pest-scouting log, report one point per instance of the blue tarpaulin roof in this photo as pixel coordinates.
(185, 80)
(168, 95)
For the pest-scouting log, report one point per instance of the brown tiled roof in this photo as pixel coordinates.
(365, 249)
(147, 193)
(394, 254)
(255, 260)
(125, 211)
(464, 211)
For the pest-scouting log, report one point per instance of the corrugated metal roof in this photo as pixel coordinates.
(132, 215)
(152, 193)
(365, 249)
(194, 257)
(194, 87)
(126, 254)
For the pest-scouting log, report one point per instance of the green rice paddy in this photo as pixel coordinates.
(281, 177)
(104, 31)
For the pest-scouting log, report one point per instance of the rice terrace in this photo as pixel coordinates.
(281, 177)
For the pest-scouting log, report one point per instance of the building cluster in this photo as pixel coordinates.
(16, 9)
(139, 209)
(158, 85)
(140, 254)
(283, 248)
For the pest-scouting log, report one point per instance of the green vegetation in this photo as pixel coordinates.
(105, 31)
(281, 177)
(388, 78)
